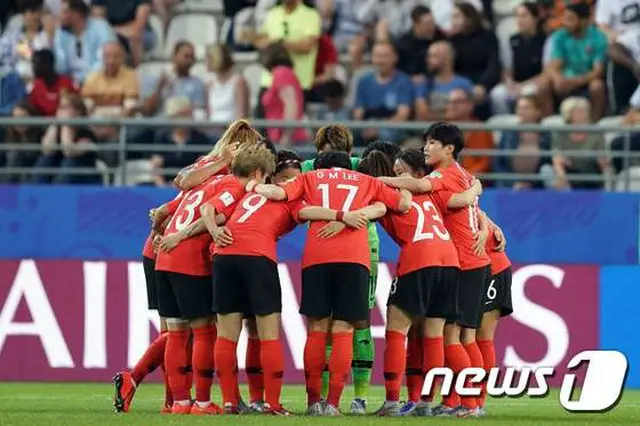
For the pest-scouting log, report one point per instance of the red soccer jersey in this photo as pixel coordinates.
(499, 259)
(344, 190)
(147, 251)
(423, 239)
(206, 160)
(462, 223)
(257, 223)
(191, 256)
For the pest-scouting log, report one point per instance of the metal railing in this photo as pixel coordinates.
(122, 148)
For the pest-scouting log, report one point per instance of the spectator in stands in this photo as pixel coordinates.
(577, 111)
(432, 96)
(578, 55)
(112, 91)
(284, 99)
(477, 54)
(353, 22)
(12, 89)
(529, 144)
(522, 64)
(228, 92)
(68, 147)
(179, 137)
(625, 72)
(334, 108)
(385, 94)
(443, 12)
(394, 18)
(130, 20)
(178, 83)
(460, 110)
(552, 13)
(18, 43)
(298, 28)
(79, 50)
(325, 70)
(21, 134)
(413, 46)
(48, 85)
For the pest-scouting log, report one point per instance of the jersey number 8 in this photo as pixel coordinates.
(420, 233)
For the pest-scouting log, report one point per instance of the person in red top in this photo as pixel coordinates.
(443, 143)
(427, 273)
(183, 276)
(48, 86)
(238, 136)
(335, 271)
(498, 300)
(126, 382)
(246, 282)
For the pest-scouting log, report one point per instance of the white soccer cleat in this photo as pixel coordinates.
(389, 408)
(331, 411)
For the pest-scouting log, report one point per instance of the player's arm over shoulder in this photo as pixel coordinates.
(395, 199)
(466, 198)
(409, 183)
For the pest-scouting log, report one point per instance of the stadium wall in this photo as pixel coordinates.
(73, 299)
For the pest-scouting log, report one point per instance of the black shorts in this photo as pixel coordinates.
(498, 296)
(429, 292)
(337, 290)
(246, 284)
(472, 288)
(149, 266)
(184, 296)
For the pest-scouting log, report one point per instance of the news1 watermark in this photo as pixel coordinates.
(601, 390)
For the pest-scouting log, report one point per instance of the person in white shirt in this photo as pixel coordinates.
(625, 52)
(615, 17)
(227, 90)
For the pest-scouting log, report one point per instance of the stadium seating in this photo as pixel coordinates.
(252, 74)
(200, 29)
(137, 172)
(103, 169)
(633, 174)
(158, 28)
(552, 120)
(502, 120)
(209, 6)
(505, 7)
(609, 122)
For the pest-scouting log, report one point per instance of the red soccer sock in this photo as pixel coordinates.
(189, 349)
(254, 371)
(227, 365)
(488, 351)
(433, 358)
(202, 362)
(176, 364)
(415, 375)
(394, 364)
(152, 358)
(457, 359)
(314, 361)
(475, 356)
(168, 396)
(339, 365)
(272, 359)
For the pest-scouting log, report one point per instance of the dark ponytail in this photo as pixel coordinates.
(376, 164)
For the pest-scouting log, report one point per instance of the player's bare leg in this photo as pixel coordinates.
(398, 324)
(253, 368)
(272, 359)
(485, 337)
(314, 362)
(202, 364)
(226, 360)
(177, 364)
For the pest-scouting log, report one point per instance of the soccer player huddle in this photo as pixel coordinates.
(211, 269)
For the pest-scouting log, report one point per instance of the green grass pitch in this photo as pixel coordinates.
(90, 404)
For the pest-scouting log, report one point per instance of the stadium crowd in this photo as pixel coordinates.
(391, 60)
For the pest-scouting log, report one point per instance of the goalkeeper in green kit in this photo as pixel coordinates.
(339, 138)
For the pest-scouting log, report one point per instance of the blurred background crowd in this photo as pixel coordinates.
(497, 61)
